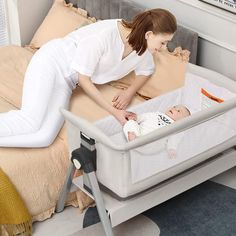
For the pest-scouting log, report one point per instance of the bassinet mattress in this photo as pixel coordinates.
(129, 172)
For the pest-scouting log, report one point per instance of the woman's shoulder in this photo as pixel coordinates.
(100, 29)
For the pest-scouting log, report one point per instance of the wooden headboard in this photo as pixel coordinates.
(108, 9)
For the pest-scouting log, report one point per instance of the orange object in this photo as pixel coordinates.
(203, 91)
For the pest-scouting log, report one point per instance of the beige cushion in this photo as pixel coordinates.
(169, 74)
(61, 19)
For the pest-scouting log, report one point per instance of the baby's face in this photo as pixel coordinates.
(177, 112)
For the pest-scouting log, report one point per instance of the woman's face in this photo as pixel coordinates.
(157, 42)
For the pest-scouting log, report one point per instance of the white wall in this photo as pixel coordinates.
(25, 16)
(31, 13)
(216, 29)
(13, 21)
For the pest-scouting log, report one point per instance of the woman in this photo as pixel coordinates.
(94, 54)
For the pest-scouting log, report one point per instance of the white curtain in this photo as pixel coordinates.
(4, 39)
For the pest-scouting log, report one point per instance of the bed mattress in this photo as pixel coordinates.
(128, 172)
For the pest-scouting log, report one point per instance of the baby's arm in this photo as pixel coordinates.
(131, 126)
(131, 136)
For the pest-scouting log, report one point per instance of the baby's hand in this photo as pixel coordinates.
(172, 153)
(131, 116)
(131, 136)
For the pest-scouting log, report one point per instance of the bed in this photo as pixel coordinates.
(39, 173)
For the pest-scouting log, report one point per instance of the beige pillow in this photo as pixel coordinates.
(61, 19)
(169, 74)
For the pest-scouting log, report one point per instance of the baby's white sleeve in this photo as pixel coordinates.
(87, 55)
(131, 126)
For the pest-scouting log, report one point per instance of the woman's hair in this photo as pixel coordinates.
(159, 21)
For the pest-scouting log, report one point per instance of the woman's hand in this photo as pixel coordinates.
(123, 116)
(122, 99)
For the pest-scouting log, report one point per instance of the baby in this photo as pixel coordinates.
(147, 122)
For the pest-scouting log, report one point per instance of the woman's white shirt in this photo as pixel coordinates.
(99, 50)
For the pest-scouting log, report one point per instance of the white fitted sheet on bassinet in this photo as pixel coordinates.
(153, 158)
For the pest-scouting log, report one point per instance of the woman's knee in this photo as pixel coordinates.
(47, 136)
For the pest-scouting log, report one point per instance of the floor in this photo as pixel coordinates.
(65, 223)
(228, 178)
(70, 220)
(69, 223)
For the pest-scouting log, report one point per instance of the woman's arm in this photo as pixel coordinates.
(123, 98)
(90, 89)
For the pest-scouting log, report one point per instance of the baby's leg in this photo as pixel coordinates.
(50, 127)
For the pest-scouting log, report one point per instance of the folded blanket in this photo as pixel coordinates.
(14, 216)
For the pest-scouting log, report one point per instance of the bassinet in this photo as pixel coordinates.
(119, 163)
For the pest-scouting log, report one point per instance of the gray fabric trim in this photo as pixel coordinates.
(108, 9)
(187, 39)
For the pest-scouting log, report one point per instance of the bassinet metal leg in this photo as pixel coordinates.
(85, 158)
(100, 204)
(66, 188)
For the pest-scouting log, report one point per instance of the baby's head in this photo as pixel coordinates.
(178, 112)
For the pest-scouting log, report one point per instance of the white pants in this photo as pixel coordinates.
(45, 91)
